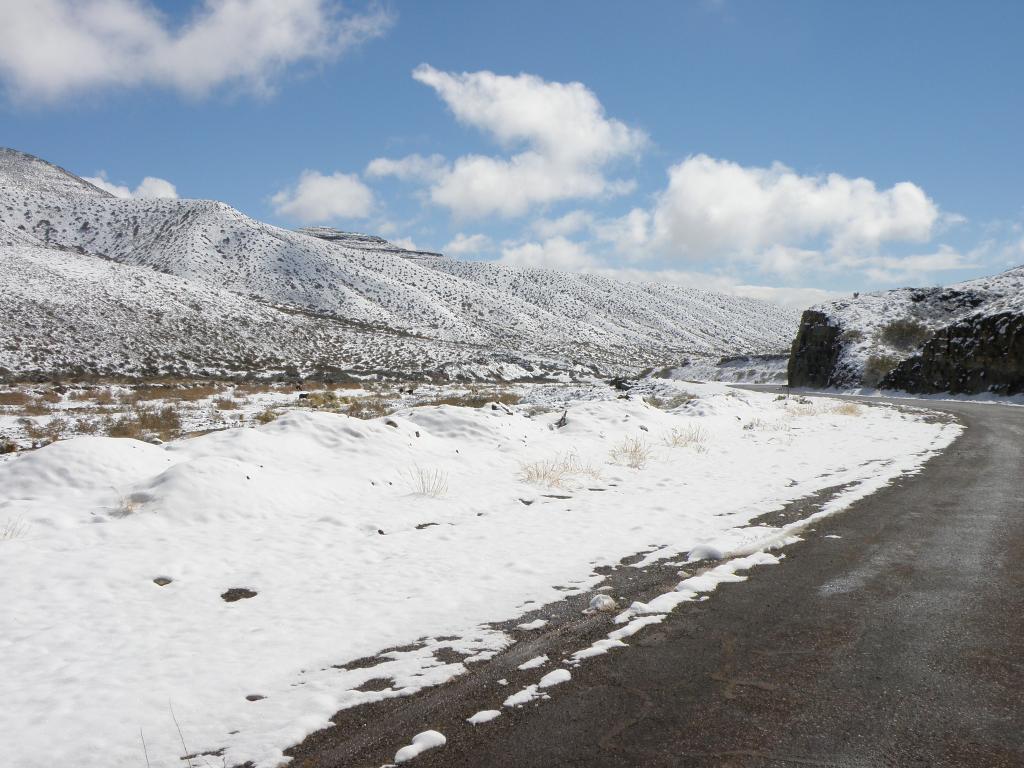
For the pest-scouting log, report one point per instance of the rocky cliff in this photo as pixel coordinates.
(967, 338)
(979, 354)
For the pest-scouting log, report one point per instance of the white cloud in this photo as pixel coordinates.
(565, 142)
(463, 245)
(149, 187)
(569, 224)
(52, 48)
(553, 253)
(716, 207)
(318, 198)
(409, 168)
(917, 268)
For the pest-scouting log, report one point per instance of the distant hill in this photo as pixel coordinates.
(101, 284)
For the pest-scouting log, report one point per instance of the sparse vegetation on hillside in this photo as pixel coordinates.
(905, 334)
(876, 367)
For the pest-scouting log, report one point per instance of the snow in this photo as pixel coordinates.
(554, 677)
(536, 661)
(483, 716)
(531, 625)
(421, 742)
(318, 514)
(525, 696)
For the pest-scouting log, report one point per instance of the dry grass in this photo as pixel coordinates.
(36, 407)
(561, 471)
(427, 482)
(760, 425)
(250, 388)
(631, 452)
(105, 397)
(266, 416)
(670, 402)
(476, 399)
(183, 393)
(847, 409)
(14, 397)
(142, 423)
(368, 408)
(226, 403)
(323, 401)
(691, 436)
(7, 446)
(13, 528)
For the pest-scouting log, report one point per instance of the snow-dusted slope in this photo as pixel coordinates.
(456, 311)
(864, 339)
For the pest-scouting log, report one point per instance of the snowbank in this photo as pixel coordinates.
(352, 545)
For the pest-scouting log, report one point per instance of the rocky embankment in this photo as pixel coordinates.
(964, 339)
(980, 354)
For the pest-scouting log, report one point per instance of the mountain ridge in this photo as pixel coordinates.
(457, 311)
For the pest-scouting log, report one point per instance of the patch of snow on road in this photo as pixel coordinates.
(555, 677)
(483, 716)
(536, 661)
(421, 742)
(535, 624)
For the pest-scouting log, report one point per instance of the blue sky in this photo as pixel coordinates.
(786, 150)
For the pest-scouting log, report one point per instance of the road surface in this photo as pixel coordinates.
(898, 644)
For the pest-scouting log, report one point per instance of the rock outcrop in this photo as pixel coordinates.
(965, 339)
(816, 348)
(979, 354)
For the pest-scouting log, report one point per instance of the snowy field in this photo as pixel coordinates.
(232, 577)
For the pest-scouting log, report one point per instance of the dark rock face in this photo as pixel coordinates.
(816, 348)
(979, 354)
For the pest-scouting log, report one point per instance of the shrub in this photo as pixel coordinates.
(48, 432)
(558, 472)
(368, 408)
(322, 401)
(141, 423)
(266, 416)
(905, 334)
(852, 336)
(631, 452)
(7, 446)
(85, 427)
(876, 367)
(226, 403)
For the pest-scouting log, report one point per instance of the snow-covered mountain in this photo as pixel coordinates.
(967, 337)
(97, 283)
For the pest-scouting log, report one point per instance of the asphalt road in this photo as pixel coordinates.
(901, 643)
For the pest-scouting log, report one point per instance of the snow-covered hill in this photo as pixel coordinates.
(962, 338)
(78, 260)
